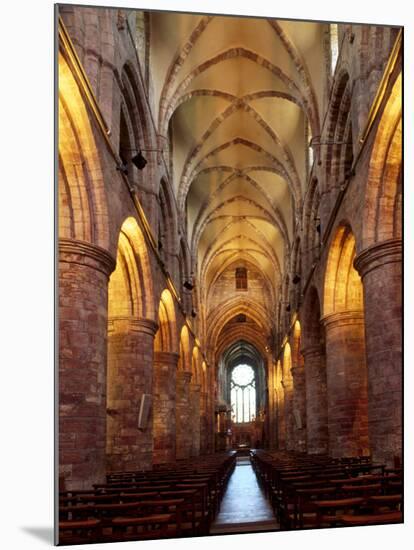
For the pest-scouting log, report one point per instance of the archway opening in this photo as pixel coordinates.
(345, 349)
(131, 330)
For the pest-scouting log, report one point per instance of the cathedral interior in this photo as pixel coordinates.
(230, 258)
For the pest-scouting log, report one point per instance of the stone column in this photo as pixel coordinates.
(281, 418)
(195, 418)
(165, 369)
(289, 421)
(183, 415)
(203, 423)
(130, 359)
(84, 271)
(316, 400)
(299, 408)
(272, 414)
(346, 384)
(380, 269)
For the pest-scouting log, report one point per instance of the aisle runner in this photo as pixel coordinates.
(244, 507)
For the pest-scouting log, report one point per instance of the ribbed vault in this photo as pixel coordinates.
(236, 98)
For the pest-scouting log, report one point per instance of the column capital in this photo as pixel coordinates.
(88, 254)
(166, 358)
(343, 318)
(184, 375)
(312, 351)
(296, 371)
(132, 324)
(377, 255)
(287, 384)
(195, 387)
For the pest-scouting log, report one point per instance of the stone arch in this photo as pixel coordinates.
(288, 396)
(296, 344)
(339, 151)
(343, 288)
(134, 133)
(185, 350)
(131, 284)
(296, 272)
(131, 330)
(345, 349)
(380, 265)
(83, 209)
(184, 419)
(314, 353)
(164, 381)
(195, 400)
(382, 217)
(281, 418)
(166, 338)
(299, 390)
(185, 274)
(167, 224)
(311, 223)
(195, 358)
(287, 362)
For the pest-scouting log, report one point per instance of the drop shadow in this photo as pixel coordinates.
(45, 534)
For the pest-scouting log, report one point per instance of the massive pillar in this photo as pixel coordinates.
(84, 271)
(195, 418)
(346, 383)
(204, 435)
(183, 415)
(381, 271)
(130, 359)
(299, 408)
(288, 412)
(165, 368)
(316, 400)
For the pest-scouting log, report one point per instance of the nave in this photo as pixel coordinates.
(229, 274)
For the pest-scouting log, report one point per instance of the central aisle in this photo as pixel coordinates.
(244, 507)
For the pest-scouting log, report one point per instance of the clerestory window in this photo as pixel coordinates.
(241, 278)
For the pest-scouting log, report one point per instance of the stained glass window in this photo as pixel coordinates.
(243, 393)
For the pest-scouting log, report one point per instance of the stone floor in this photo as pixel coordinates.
(244, 507)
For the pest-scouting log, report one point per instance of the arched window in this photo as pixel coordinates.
(241, 278)
(243, 394)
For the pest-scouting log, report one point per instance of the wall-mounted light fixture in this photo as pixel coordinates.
(296, 279)
(137, 160)
(188, 285)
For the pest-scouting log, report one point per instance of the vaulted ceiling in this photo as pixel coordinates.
(236, 96)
